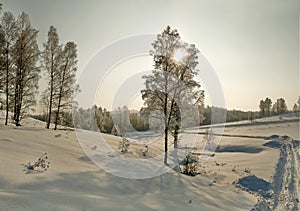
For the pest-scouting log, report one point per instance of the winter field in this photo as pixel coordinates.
(256, 166)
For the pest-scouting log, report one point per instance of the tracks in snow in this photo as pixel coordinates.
(286, 178)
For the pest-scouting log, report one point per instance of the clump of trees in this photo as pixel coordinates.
(267, 109)
(20, 65)
(139, 121)
(102, 120)
(60, 63)
(116, 122)
(20, 73)
(128, 121)
(231, 115)
(279, 107)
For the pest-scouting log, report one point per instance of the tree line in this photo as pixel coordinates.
(104, 121)
(21, 64)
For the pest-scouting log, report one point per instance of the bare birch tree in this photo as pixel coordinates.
(66, 81)
(51, 62)
(8, 39)
(171, 86)
(25, 57)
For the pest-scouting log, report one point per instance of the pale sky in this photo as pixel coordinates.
(253, 45)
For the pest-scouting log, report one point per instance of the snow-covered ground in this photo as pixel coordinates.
(74, 182)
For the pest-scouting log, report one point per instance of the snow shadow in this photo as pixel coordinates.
(239, 148)
(252, 183)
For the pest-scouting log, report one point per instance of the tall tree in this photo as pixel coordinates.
(66, 80)
(8, 39)
(51, 62)
(268, 106)
(25, 56)
(166, 88)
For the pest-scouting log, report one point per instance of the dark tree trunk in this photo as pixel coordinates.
(166, 146)
(177, 127)
(19, 90)
(19, 100)
(176, 138)
(7, 81)
(51, 95)
(166, 119)
(58, 108)
(60, 94)
(57, 117)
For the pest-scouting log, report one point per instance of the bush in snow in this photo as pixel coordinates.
(42, 164)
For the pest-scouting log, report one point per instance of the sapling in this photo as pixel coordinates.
(190, 165)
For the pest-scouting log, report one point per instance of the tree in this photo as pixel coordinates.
(279, 107)
(102, 119)
(268, 106)
(121, 119)
(25, 57)
(296, 107)
(265, 107)
(171, 84)
(66, 81)
(251, 116)
(139, 121)
(8, 39)
(262, 108)
(51, 62)
(107, 124)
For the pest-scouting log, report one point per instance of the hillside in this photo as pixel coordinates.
(73, 182)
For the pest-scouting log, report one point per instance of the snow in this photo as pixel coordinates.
(74, 182)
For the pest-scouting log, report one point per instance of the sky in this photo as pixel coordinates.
(252, 45)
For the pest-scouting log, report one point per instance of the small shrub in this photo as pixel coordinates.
(247, 170)
(42, 164)
(189, 165)
(124, 145)
(145, 151)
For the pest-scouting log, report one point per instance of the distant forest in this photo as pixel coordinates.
(139, 120)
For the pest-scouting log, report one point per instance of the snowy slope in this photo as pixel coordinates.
(73, 182)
